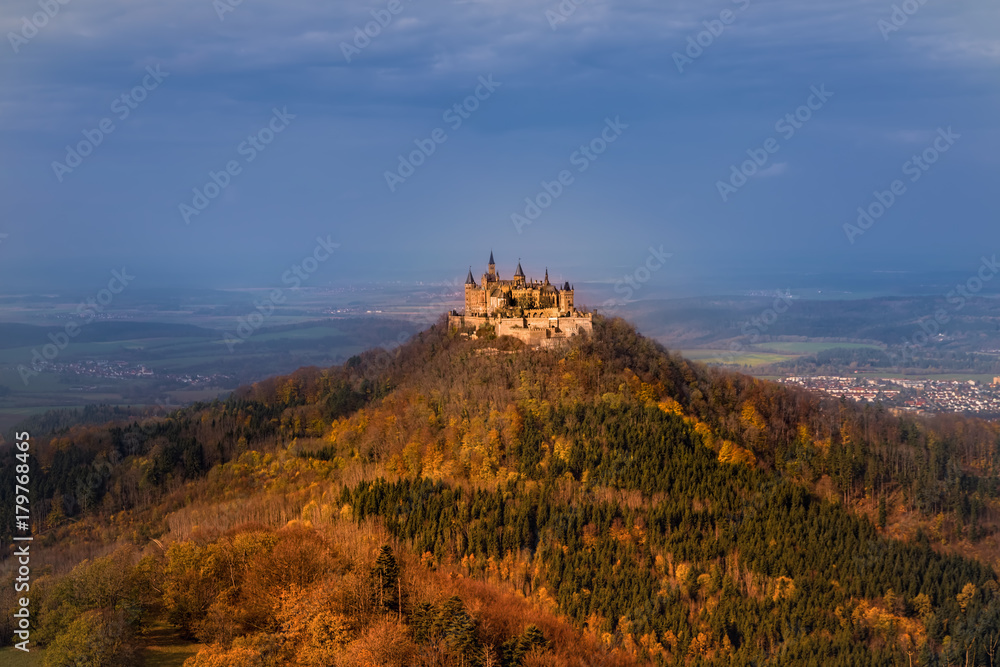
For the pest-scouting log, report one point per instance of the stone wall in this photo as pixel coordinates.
(534, 331)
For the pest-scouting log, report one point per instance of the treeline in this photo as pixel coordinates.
(717, 562)
(54, 421)
(296, 596)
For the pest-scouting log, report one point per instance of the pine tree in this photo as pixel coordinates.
(385, 576)
(532, 638)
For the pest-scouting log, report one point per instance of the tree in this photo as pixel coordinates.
(95, 639)
(532, 638)
(966, 596)
(385, 576)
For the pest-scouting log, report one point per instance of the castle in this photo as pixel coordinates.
(537, 312)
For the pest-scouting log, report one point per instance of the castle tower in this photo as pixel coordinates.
(473, 295)
(491, 275)
(519, 275)
(566, 298)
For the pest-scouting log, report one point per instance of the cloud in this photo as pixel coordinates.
(908, 136)
(951, 48)
(776, 169)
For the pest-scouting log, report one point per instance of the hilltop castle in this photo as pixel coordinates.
(537, 312)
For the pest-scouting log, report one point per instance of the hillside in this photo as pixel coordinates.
(475, 502)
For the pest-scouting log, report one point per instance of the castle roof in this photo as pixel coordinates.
(491, 257)
(566, 286)
(470, 280)
(520, 272)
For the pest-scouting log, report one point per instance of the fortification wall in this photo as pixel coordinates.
(534, 331)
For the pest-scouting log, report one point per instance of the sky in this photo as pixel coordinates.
(218, 143)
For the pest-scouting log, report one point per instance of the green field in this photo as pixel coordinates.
(746, 357)
(811, 347)
(763, 354)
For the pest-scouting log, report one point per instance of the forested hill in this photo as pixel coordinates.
(461, 501)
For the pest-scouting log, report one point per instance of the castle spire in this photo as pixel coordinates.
(491, 258)
(546, 275)
(520, 272)
(470, 280)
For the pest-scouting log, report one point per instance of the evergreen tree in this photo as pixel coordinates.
(387, 585)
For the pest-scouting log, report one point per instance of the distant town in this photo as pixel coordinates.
(917, 395)
(121, 370)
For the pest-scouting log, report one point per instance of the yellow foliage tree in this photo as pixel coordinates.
(730, 452)
(966, 596)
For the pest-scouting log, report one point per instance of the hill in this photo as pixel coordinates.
(476, 502)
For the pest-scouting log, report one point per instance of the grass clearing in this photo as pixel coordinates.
(164, 647)
(12, 657)
(743, 358)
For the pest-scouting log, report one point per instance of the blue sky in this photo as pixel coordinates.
(345, 120)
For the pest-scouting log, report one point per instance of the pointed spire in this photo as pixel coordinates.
(491, 258)
(520, 272)
(546, 275)
(470, 280)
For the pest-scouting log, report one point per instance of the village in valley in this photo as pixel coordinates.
(911, 395)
